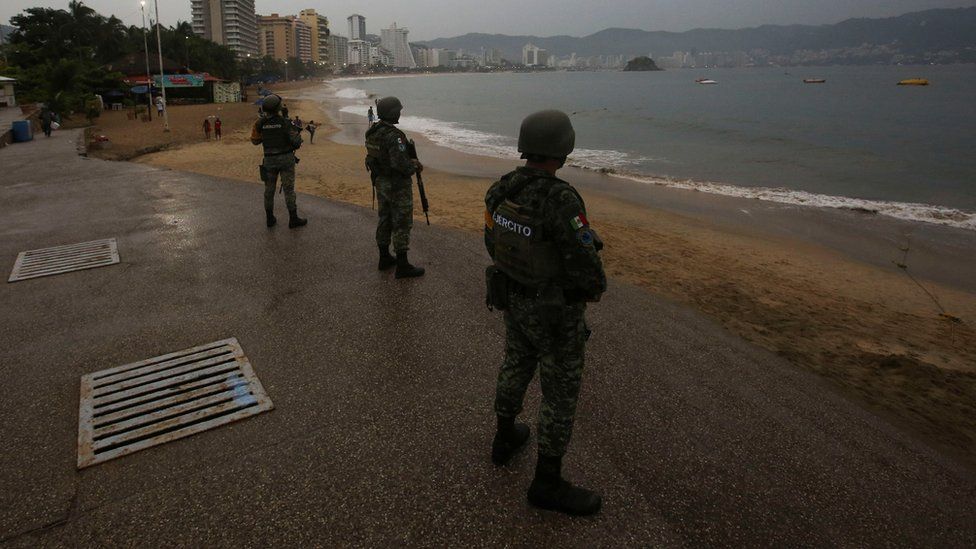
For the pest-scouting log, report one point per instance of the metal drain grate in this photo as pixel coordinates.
(132, 407)
(64, 259)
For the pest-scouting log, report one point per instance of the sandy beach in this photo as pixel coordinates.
(904, 347)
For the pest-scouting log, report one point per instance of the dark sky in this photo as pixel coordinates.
(428, 19)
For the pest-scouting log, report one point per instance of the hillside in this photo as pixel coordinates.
(913, 37)
(5, 31)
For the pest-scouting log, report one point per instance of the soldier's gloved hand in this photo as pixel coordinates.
(418, 166)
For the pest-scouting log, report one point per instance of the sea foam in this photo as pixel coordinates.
(457, 137)
(908, 211)
(351, 93)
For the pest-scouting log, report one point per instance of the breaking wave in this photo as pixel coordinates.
(466, 140)
(908, 211)
(459, 138)
(351, 93)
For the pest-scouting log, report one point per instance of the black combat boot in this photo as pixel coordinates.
(386, 260)
(294, 220)
(269, 215)
(405, 269)
(551, 492)
(509, 439)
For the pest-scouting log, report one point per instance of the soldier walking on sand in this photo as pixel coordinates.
(280, 140)
(391, 167)
(546, 268)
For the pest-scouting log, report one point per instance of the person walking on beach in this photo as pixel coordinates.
(310, 128)
(280, 140)
(217, 126)
(47, 117)
(206, 128)
(370, 116)
(546, 268)
(391, 167)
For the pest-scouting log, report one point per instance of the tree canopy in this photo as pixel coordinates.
(642, 63)
(61, 56)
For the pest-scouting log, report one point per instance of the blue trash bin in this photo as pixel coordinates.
(22, 131)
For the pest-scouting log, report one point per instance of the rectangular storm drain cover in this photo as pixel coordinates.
(64, 259)
(133, 407)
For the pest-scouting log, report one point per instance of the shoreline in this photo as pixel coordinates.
(349, 100)
(863, 325)
(937, 252)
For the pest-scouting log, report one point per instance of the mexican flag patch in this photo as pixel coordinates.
(579, 222)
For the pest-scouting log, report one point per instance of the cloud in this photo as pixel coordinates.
(428, 19)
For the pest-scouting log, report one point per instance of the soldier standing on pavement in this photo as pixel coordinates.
(391, 167)
(280, 139)
(546, 255)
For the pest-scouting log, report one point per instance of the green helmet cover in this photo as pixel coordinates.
(271, 104)
(389, 109)
(547, 133)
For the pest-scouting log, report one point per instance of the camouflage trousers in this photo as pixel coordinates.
(283, 165)
(394, 196)
(552, 340)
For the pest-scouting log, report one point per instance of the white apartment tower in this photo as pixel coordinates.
(358, 52)
(339, 46)
(231, 23)
(357, 27)
(534, 55)
(395, 41)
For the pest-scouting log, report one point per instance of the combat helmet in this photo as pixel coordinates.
(547, 133)
(271, 104)
(389, 109)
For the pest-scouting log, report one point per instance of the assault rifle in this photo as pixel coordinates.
(412, 151)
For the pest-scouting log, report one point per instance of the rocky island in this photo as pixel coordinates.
(642, 63)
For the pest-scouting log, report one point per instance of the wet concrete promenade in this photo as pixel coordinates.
(383, 390)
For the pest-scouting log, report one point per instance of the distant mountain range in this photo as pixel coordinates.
(6, 30)
(942, 35)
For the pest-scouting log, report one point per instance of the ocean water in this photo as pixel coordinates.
(857, 141)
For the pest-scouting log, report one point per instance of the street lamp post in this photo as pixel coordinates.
(145, 45)
(286, 70)
(162, 80)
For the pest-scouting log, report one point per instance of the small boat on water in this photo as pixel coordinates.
(705, 81)
(814, 80)
(914, 82)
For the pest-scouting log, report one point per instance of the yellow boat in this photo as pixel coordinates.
(914, 82)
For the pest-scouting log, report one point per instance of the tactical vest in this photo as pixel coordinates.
(275, 135)
(377, 158)
(522, 249)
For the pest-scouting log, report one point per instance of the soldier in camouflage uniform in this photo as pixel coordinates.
(391, 167)
(537, 233)
(280, 139)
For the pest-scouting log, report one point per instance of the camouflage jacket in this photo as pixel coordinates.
(277, 135)
(386, 151)
(564, 224)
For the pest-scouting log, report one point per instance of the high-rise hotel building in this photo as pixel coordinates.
(285, 37)
(319, 27)
(232, 23)
(357, 27)
(394, 39)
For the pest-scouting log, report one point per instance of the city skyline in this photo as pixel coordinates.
(573, 17)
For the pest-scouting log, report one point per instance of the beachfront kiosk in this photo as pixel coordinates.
(7, 98)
